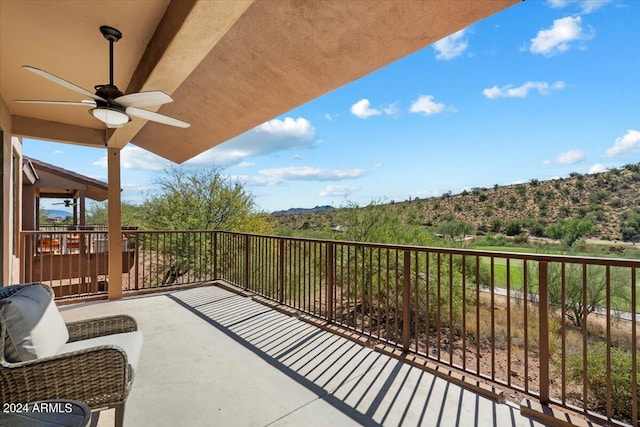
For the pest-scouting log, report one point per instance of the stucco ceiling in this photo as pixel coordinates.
(229, 65)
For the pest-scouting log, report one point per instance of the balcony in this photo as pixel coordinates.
(213, 357)
(374, 324)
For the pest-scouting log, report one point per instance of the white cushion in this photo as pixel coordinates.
(130, 342)
(33, 325)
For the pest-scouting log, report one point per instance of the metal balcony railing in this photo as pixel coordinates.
(563, 329)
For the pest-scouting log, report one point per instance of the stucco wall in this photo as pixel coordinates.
(10, 264)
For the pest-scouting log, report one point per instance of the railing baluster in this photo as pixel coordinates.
(406, 301)
(543, 333)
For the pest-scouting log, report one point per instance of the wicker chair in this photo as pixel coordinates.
(101, 376)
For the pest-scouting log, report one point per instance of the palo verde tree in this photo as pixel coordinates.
(203, 199)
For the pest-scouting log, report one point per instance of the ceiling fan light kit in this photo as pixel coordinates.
(111, 106)
(111, 116)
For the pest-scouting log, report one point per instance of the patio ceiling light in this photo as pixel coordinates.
(112, 117)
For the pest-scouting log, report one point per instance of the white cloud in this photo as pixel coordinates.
(558, 4)
(392, 110)
(509, 91)
(136, 158)
(592, 5)
(629, 142)
(338, 191)
(307, 173)
(452, 46)
(275, 176)
(244, 164)
(567, 158)
(58, 152)
(427, 106)
(558, 38)
(270, 137)
(597, 168)
(363, 110)
(331, 117)
(586, 6)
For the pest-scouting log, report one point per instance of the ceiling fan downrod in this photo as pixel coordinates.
(112, 35)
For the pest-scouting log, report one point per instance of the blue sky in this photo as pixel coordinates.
(540, 90)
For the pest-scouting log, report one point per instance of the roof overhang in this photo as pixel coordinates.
(55, 182)
(229, 65)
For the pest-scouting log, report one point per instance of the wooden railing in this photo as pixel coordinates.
(560, 328)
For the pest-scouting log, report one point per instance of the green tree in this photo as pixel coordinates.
(374, 223)
(195, 200)
(456, 230)
(132, 214)
(593, 292)
(570, 231)
(202, 200)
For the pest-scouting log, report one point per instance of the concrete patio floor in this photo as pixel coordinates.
(214, 358)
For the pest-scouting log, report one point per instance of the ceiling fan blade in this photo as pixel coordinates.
(155, 117)
(63, 82)
(35, 101)
(144, 99)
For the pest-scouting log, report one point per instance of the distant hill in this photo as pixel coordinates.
(294, 211)
(56, 213)
(604, 198)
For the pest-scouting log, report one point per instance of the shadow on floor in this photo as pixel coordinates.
(368, 387)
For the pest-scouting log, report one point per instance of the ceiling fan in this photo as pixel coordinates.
(109, 104)
(66, 203)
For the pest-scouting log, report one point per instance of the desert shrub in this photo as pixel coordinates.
(521, 238)
(630, 226)
(621, 369)
(535, 227)
(615, 203)
(513, 228)
(599, 197)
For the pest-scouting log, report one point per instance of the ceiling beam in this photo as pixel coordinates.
(186, 34)
(46, 130)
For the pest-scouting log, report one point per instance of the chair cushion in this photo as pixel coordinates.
(33, 325)
(130, 342)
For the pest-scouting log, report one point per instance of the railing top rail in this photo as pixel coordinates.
(539, 257)
(62, 232)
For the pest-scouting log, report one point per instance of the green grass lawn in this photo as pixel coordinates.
(517, 274)
(506, 249)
